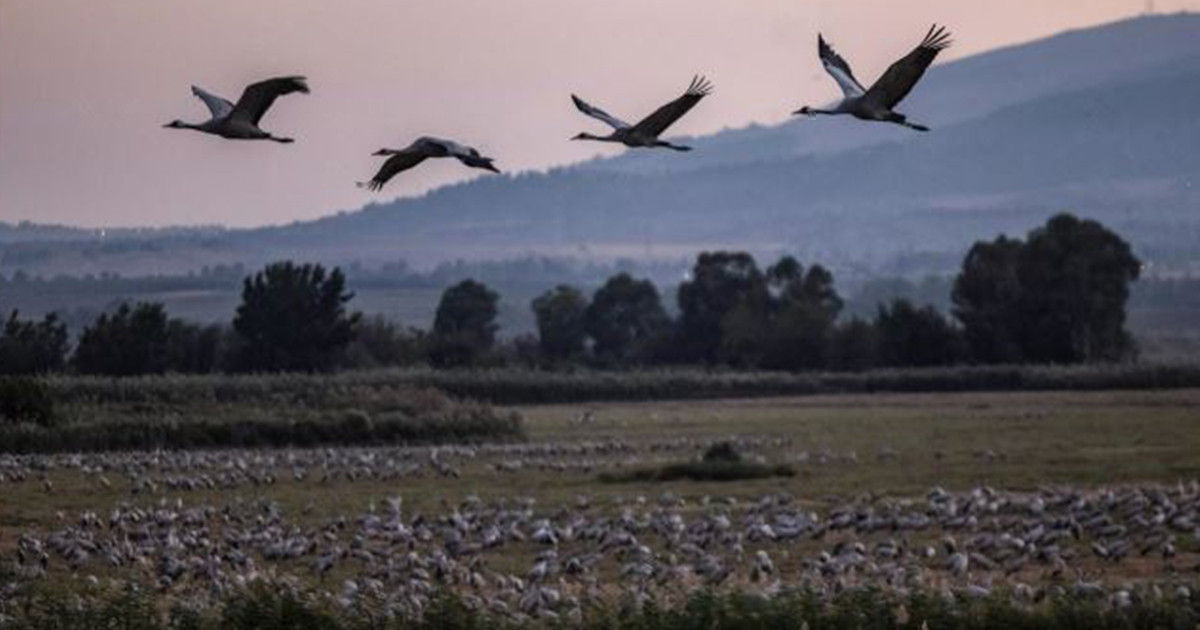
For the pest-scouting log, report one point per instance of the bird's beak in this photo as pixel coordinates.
(798, 112)
(381, 152)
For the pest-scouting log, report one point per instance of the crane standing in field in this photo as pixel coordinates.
(878, 103)
(645, 133)
(240, 121)
(422, 149)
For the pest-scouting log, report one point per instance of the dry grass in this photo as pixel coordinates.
(1015, 441)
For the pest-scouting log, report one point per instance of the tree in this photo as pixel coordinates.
(625, 320)
(1075, 279)
(855, 346)
(293, 318)
(803, 310)
(129, 341)
(29, 347)
(561, 315)
(194, 349)
(987, 300)
(722, 284)
(380, 342)
(916, 337)
(465, 325)
(1058, 297)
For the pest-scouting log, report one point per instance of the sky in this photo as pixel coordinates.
(86, 85)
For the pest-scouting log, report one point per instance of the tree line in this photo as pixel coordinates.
(1056, 296)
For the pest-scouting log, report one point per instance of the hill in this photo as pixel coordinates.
(1101, 121)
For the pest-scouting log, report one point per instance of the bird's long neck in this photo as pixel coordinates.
(608, 138)
(179, 124)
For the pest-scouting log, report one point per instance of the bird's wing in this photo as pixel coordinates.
(217, 106)
(446, 148)
(837, 68)
(599, 114)
(470, 156)
(258, 97)
(665, 116)
(398, 163)
(898, 81)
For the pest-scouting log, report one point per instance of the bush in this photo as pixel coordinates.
(218, 411)
(26, 400)
(722, 452)
(267, 606)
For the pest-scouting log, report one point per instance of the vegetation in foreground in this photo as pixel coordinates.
(721, 462)
(423, 405)
(890, 491)
(264, 606)
(88, 415)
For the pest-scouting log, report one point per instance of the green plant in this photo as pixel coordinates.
(26, 400)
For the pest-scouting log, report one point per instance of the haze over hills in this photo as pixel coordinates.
(1103, 122)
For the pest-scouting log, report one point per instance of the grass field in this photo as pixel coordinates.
(887, 444)
(873, 454)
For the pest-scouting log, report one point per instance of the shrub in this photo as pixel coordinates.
(722, 452)
(25, 400)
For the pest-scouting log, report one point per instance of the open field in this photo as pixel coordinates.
(1021, 494)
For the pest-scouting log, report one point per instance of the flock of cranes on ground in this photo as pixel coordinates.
(159, 521)
(240, 121)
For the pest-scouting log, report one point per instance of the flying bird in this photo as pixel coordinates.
(419, 151)
(646, 132)
(878, 103)
(240, 121)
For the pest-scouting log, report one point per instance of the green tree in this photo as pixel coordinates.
(194, 349)
(1075, 277)
(1058, 297)
(128, 341)
(916, 337)
(379, 342)
(561, 315)
(465, 326)
(293, 318)
(625, 320)
(29, 347)
(855, 346)
(803, 310)
(987, 300)
(724, 286)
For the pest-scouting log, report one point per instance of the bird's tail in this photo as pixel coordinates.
(915, 126)
(372, 185)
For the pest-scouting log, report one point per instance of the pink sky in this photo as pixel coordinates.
(85, 86)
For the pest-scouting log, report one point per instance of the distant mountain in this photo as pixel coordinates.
(1104, 122)
(973, 87)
